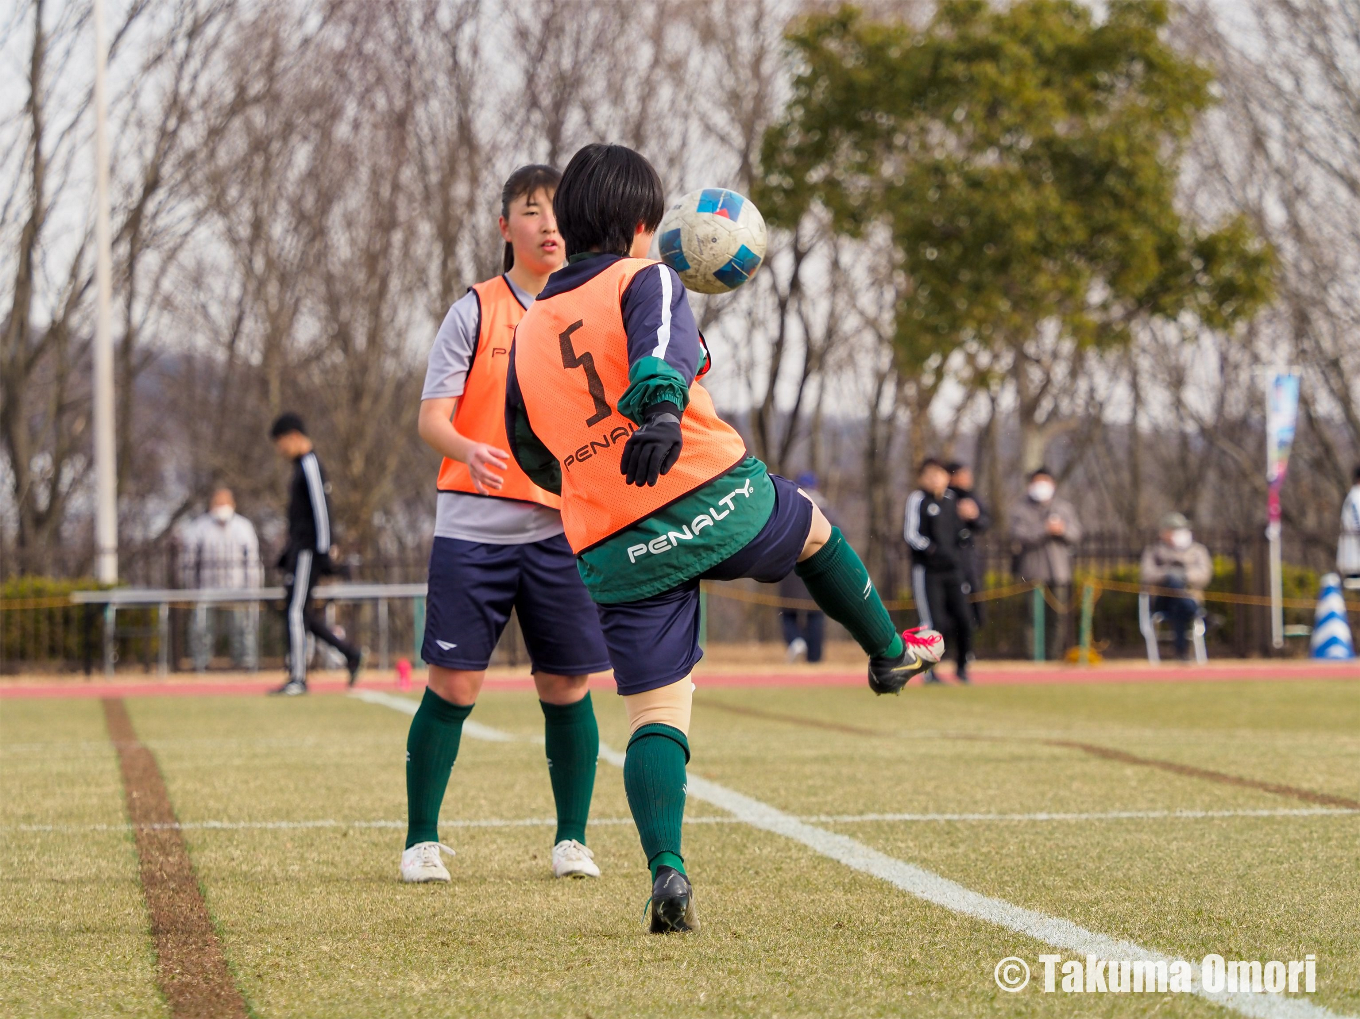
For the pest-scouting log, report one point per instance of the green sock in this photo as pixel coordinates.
(572, 741)
(431, 748)
(840, 585)
(654, 779)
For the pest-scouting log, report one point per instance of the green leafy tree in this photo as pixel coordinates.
(1025, 161)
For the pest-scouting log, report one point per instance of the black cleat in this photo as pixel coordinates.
(672, 903)
(890, 675)
(929, 678)
(961, 676)
(292, 688)
(354, 665)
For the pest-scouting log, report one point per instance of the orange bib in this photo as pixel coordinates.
(571, 360)
(480, 414)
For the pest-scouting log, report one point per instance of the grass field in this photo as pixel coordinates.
(293, 811)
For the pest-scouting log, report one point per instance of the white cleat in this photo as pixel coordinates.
(797, 649)
(422, 863)
(571, 859)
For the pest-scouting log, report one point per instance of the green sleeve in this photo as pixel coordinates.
(533, 457)
(651, 381)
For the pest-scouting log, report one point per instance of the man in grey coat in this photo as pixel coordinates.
(1181, 567)
(1043, 530)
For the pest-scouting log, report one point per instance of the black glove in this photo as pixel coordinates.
(653, 449)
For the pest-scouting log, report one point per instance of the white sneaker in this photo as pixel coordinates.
(571, 859)
(422, 862)
(797, 649)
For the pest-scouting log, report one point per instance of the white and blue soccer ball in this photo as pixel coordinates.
(714, 238)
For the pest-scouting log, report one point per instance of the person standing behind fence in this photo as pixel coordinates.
(1348, 545)
(1043, 530)
(307, 556)
(1177, 563)
(221, 552)
(932, 528)
(804, 628)
(973, 521)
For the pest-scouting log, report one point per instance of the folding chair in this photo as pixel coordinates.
(1148, 622)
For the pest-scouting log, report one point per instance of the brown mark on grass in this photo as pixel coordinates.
(1108, 753)
(192, 970)
(1190, 771)
(775, 716)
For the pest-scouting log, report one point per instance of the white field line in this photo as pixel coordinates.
(951, 895)
(534, 822)
(407, 706)
(490, 822)
(1106, 815)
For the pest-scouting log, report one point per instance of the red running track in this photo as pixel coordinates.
(983, 675)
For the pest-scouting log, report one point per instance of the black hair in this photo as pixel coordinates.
(527, 180)
(929, 462)
(286, 424)
(954, 466)
(1356, 476)
(605, 192)
(1040, 470)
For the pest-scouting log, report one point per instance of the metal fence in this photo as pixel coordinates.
(1238, 624)
(380, 604)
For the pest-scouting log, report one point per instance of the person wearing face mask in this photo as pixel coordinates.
(1043, 530)
(220, 551)
(1177, 562)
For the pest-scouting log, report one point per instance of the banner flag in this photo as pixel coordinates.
(1282, 413)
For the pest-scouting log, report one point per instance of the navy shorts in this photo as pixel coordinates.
(655, 642)
(473, 587)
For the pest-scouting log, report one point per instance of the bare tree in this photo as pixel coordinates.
(48, 276)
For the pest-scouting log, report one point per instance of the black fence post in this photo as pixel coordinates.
(86, 639)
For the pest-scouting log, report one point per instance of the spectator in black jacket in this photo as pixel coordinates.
(932, 530)
(307, 555)
(973, 521)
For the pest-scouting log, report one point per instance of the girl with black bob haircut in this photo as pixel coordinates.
(604, 406)
(607, 194)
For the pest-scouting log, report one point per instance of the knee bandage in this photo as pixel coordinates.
(666, 705)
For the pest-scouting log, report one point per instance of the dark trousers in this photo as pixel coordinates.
(1180, 613)
(811, 626)
(973, 578)
(302, 619)
(942, 604)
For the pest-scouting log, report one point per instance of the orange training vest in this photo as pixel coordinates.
(571, 360)
(480, 414)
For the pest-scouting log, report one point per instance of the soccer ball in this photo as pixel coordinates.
(714, 238)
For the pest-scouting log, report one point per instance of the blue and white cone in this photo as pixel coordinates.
(1331, 637)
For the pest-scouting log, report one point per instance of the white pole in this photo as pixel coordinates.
(1276, 587)
(105, 467)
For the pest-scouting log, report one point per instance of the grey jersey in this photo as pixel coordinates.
(458, 514)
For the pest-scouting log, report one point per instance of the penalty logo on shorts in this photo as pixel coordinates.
(665, 542)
